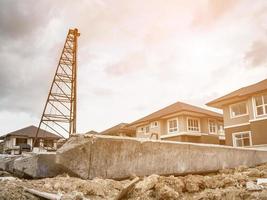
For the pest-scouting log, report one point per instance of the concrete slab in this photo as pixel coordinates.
(5, 159)
(117, 157)
(76, 156)
(34, 166)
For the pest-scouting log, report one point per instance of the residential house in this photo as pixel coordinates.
(1, 146)
(245, 115)
(13, 141)
(182, 122)
(121, 129)
(92, 132)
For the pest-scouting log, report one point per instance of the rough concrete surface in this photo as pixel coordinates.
(5, 159)
(118, 158)
(31, 165)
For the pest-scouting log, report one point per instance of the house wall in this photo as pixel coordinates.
(228, 121)
(204, 126)
(182, 125)
(229, 132)
(9, 142)
(205, 139)
(210, 139)
(182, 121)
(163, 127)
(142, 134)
(184, 138)
(249, 122)
(259, 132)
(250, 108)
(155, 129)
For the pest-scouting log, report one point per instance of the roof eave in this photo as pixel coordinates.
(221, 103)
(217, 105)
(135, 124)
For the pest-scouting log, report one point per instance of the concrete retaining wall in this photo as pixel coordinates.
(118, 158)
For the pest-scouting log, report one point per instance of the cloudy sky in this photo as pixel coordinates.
(134, 57)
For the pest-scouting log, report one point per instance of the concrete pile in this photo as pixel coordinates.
(90, 156)
(119, 158)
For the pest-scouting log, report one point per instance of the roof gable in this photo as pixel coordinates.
(30, 131)
(244, 91)
(117, 128)
(174, 108)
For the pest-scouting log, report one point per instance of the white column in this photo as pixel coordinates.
(29, 141)
(55, 144)
(41, 142)
(14, 142)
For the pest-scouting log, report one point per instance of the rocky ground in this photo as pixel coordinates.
(239, 183)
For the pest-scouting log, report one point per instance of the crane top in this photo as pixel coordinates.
(74, 32)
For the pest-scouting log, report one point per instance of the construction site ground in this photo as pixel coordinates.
(225, 184)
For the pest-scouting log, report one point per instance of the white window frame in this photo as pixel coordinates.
(168, 126)
(216, 126)
(193, 118)
(263, 105)
(238, 133)
(231, 110)
(152, 125)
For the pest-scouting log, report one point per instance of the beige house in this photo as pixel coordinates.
(182, 122)
(1, 146)
(121, 129)
(13, 142)
(245, 115)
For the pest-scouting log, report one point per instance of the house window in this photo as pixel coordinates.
(261, 105)
(48, 143)
(193, 124)
(37, 143)
(154, 124)
(20, 141)
(212, 126)
(173, 125)
(238, 110)
(242, 139)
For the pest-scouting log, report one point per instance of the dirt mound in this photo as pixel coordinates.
(12, 190)
(226, 184)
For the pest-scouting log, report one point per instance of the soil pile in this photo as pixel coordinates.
(225, 184)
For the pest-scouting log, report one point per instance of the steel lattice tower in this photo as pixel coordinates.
(59, 114)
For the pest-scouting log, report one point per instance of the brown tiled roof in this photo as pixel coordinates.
(123, 127)
(244, 91)
(91, 132)
(174, 108)
(30, 131)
